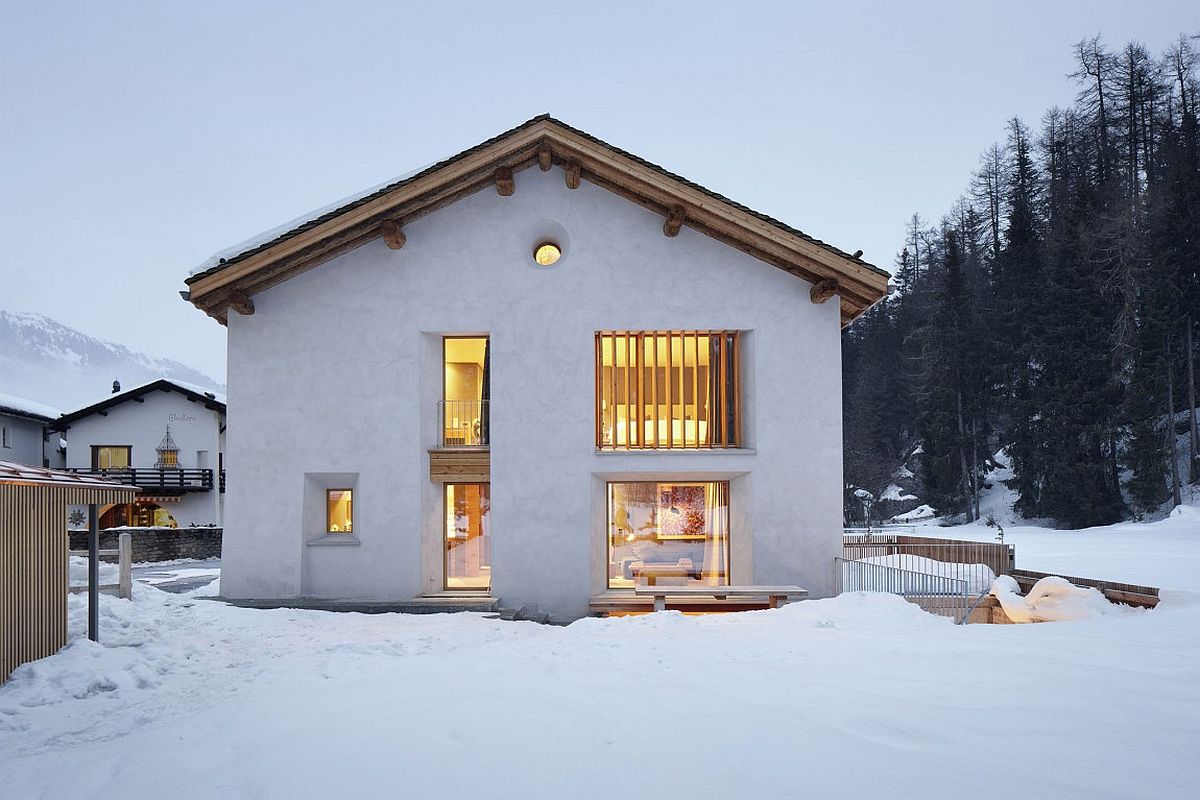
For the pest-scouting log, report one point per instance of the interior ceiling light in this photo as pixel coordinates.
(546, 253)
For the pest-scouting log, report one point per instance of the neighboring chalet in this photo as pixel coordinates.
(543, 370)
(25, 433)
(165, 437)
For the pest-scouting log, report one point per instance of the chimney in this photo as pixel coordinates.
(116, 387)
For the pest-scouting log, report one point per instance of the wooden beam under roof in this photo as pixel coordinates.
(505, 185)
(859, 285)
(823, 290)
(674, 221)
(393, 236)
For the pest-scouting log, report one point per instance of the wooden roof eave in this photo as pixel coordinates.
(859, 286)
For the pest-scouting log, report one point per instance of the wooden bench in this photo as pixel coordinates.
(776, 595)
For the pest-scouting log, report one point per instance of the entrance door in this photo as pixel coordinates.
(468, 546)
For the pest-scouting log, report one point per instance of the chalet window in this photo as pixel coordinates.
(676, 532)
(4, 440)
(339, 505)
(110, 456)
(464, 409)
(668, 389)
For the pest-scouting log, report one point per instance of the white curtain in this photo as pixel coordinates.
(716, 548)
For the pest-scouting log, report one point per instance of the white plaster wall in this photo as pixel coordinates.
(25, 441)
(338, 371)
(141, 425)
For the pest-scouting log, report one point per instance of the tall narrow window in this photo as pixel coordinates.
(466, 392)
(468, 546)
(668, 389)
(674, 532)
(339, 510)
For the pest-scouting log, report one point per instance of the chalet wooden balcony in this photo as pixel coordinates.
(159, 481)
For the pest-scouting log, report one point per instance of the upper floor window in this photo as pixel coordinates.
(109, 456)
(667, 389)
(465, 391)
(4, 440)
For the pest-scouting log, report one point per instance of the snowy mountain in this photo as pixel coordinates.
(46, 361)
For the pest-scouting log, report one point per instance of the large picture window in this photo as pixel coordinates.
(662, 533)
(667, 389)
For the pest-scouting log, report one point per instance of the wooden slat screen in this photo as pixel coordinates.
(33, 567)
(667, 389)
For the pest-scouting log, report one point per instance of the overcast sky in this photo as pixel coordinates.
(137, 139)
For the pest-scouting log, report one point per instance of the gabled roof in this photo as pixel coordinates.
(231, 278)
(210, 400)
(29, 409)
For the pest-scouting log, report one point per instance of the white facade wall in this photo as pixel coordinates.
(336, 378)
(195, 429)
(25, 445)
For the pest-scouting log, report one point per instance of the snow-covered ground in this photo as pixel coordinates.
(860, 696)
(1165, 554)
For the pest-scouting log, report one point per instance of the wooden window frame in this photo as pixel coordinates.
(446, 535)
(723, 396)
(328, 518)
(96, 448)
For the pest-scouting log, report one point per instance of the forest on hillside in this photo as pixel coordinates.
(1051, 313)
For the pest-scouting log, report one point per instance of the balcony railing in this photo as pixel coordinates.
(463, 423)
(159, 480)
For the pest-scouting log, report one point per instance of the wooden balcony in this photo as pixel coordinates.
(460, 466)
(159, 481)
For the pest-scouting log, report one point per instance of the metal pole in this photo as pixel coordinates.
(93, 574)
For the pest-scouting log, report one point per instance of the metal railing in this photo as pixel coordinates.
(163, 480)
(943, 576)
(937, 594)
(463, 423)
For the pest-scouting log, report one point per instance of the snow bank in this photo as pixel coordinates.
(1053, 599)
(849, 697)
(920, 512)
(78, 572)
(895, 492)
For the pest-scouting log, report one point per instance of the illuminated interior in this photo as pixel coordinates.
(339, 505)
(668, 533)
(667, 389)
(468, 546)
(547, 253)
(465, 391)
(136, 515)
(110, 457)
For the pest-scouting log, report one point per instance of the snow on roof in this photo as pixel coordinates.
(10, 403)
(12, 472)
(110, 399)
(272, 234)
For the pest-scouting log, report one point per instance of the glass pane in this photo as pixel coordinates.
(465, 391)
(340, 502)
(668, 533)
(468, 546)
(112, 457)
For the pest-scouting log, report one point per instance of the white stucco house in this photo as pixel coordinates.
(167, 438)
(25, 435)
(540, 370)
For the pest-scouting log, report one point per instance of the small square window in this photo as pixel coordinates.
(339, 507)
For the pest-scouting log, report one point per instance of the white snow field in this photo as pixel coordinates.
(863, 696)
